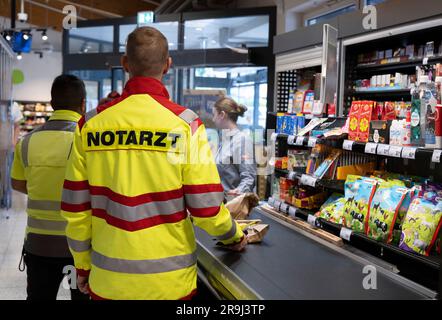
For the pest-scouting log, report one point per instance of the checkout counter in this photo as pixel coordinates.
(291, 264)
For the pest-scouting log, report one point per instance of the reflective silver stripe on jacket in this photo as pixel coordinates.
(139, 212)
(52, 125)
(204, 200)
(229, 234)
(75, 196)
(79, 246)
(143, 266)
(44, 205)
(188, 116)
(49, 225)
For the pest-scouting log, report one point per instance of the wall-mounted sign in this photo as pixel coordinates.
(145, 18)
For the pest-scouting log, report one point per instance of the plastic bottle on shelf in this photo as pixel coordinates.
(438, 83)
(416, 131)
(428, 110)
(406, 140)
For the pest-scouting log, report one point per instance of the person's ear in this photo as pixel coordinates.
(125, 63)
(168, 65)
(83, 106)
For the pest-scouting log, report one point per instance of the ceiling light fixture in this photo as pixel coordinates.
(44, 36)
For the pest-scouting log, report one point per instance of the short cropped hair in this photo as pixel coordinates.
(147, 51)
(67, 92)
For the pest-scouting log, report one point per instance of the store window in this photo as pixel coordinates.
(329, 15)
(247, 85)
(98, 85)
(236, 32)
(91, 40)
(169, 29)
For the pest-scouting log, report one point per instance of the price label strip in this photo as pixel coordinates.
(292, 212)
(299, 141)
(436, 156)
(277, 205)
(312, 142)
(348, 145)
(345, 233)
(371, 147)
(383, 149)
(291, 139)
(409, 153)
(311, 219)
(395, 151)
(308, 180)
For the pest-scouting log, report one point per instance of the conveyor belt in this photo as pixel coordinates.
(290, 265)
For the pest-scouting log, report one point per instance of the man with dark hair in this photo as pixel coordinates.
(130, 209)
(38, 170)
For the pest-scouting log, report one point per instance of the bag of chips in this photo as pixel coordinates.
(421, 225)
(333, 212)
(397, 230)
(384, 209)
(358, 195)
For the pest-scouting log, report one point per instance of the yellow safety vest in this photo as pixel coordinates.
(40, 158)
(139, 173)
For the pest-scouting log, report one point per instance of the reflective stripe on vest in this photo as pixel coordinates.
(75, 196)
(53, 125)
(44, 205)
(79, 246)
(204, 200)
(188, 115)
(47, 245)
(136, 213)
(143, 266)
(49, 225)
(229, 234)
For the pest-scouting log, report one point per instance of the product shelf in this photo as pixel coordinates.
(422, 269)
(404, 63)
(420, 153)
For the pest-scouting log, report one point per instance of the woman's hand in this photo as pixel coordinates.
(234, 192)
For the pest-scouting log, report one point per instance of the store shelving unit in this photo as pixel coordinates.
(423, 270)
(32, 117)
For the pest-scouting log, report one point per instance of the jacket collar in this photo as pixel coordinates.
(143, 85)
(65, 114)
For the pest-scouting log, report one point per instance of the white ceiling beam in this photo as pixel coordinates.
(38, 4)
(95, 10)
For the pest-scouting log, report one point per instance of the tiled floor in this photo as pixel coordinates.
(12, 229)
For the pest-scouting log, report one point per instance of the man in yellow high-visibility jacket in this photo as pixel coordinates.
(38, 170)
(140, 172)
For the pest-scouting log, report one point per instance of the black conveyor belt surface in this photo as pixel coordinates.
(290, 265)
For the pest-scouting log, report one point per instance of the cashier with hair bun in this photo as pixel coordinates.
(234, 157)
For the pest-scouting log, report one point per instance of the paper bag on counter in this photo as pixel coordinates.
(241, 206)
(256, 233)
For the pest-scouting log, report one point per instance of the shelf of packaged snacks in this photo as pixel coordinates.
(397, 63)
(37, 114)
(407, 263)
(355, 146)
(329, 184)
(381, 92)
